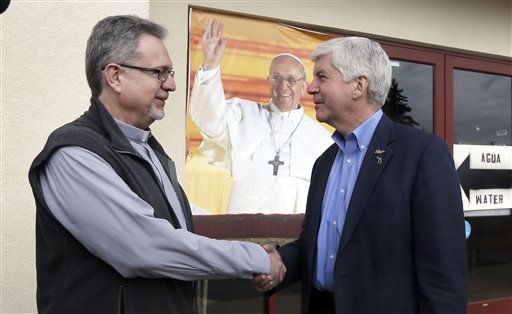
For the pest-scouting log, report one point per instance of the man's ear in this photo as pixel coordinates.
(111, 75)
(361, 87)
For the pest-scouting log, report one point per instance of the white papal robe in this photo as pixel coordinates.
(243, 136)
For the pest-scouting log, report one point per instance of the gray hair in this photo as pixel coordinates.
(115, 40)
(359, 56)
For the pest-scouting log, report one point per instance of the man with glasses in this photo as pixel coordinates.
(114, 231)
(269, 148)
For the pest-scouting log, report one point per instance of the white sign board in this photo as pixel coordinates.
(485, 175)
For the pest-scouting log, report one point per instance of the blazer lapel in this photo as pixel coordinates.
(374, 163)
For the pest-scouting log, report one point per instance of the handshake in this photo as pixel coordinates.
(265, 282)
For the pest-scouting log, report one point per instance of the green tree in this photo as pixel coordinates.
(397, 107)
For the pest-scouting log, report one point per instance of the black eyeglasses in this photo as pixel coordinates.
(162, 73)
(290, 80)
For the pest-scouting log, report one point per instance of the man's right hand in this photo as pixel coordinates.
(265, 282)
(213, 45)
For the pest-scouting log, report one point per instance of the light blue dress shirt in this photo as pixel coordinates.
(338, 192)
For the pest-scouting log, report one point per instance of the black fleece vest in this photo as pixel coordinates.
(69, 278)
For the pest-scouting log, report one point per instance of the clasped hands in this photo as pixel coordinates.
(265, 282)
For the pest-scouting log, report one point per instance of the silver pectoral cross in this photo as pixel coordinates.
(276, 163)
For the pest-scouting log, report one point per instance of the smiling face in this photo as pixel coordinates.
(142, 94)
(286, 95)
(333, 98)
(342, 105)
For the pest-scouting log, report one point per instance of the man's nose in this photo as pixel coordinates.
(282, 84)
(169, 84)
(312, 88)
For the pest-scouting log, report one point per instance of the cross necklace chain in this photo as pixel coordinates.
(276, 163)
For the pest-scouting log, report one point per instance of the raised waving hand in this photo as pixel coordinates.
(213, 44)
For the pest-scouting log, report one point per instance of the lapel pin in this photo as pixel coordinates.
(379, 160)
(379, 151)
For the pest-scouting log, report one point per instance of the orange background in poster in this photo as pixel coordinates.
(244, 69)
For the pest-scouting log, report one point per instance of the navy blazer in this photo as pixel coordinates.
(403, 246)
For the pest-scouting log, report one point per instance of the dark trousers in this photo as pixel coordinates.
(321, 302)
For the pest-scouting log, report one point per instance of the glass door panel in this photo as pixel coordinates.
(411, 95)
(482, 114)
(482, 108)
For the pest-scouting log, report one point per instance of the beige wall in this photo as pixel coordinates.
(482, 25)
(44, 86)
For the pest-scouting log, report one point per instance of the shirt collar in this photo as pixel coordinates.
(293, 114)
(362, 134)
(133, 133)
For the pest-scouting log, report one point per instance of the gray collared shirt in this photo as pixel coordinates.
(139, 140)
(95, 205)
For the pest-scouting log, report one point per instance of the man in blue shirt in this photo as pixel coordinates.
(384, 226)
